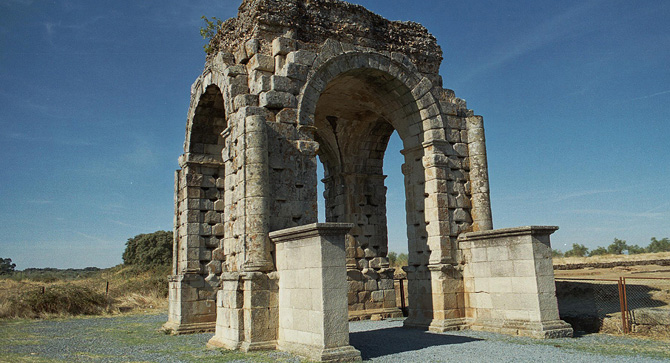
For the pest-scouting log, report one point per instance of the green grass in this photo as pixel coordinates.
(138, 332)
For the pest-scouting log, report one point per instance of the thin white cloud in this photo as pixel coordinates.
(122, 223)
(40, 201)
(10, 3)
(651, 95)
(558, 27)
(40, 139)
(97, 239)
(585, 193)
(616, 213)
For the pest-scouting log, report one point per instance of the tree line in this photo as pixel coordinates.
(618, 247)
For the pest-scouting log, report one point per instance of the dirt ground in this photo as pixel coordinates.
(590, 302)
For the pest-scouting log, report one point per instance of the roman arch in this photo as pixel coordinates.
(292, 81)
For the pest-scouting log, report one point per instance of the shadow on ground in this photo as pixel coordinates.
(378, 343)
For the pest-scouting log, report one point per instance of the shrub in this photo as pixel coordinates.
(153, 249)
(662, 245)
(556, 253)
(598, 251)
(67, 299)
(6, 266)
(635, 249)
(577, 251)
(209, 31)
(617, 247)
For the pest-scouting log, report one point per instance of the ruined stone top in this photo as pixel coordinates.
(311, 22)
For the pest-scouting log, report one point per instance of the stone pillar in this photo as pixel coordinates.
(256, 194)
(229, 313)
(479, 175)
(261, 311)
(509, 282)
(194, 280)
(188, 312)
(447, 298)
(313, 319)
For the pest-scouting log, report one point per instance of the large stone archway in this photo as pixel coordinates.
(283, 88)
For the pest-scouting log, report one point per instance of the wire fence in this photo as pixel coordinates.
(625, 305)
(19, 288)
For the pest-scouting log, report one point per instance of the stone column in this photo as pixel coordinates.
(256, 194)
(313, 318)
(479, 175)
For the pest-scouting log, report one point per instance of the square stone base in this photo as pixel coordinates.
(542, 330)
(178, 329)
(345, 353)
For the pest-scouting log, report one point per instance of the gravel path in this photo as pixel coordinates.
(135, 338)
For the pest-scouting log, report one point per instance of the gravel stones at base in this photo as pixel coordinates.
(388, 341)
(136, 338)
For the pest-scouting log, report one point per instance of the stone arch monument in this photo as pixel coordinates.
(292, 82)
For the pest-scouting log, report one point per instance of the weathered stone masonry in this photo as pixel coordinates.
(290, 81)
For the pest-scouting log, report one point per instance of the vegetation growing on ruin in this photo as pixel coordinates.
(209, 31)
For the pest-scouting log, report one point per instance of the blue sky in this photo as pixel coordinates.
(94, 95)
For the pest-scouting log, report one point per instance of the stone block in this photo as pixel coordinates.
(303, 57)
(252, 46)
(377, 296)
(283, 84)
(261, 62)
(276, 100)
(245, 101)
(294, 71)
(283, 45)
(287, 116)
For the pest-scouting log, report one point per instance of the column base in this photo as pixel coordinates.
(178, 329)
(217, 342)
(385, 313)
(443, 325)
(345, 353)
(542, 330)
(267, 345)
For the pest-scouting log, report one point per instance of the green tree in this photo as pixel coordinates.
(617, 247)
(635, 249)
(577, 251)
(209, 31)
(151, 249)
(598, 251)
(6, 266)
(393, 256)
(659, 245)
(556, 253)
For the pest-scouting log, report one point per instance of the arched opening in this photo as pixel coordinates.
(209, 121)
(355, 117)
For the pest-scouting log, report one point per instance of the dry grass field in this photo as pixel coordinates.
(108, 291)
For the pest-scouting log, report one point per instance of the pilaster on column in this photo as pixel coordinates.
(479, 175)
(447, 292)
(257, 191)
(313, 313)
(260, 311)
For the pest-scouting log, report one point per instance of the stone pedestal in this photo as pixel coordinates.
(188, 311)
(509, 282)
(247, 312)
(313, 292)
